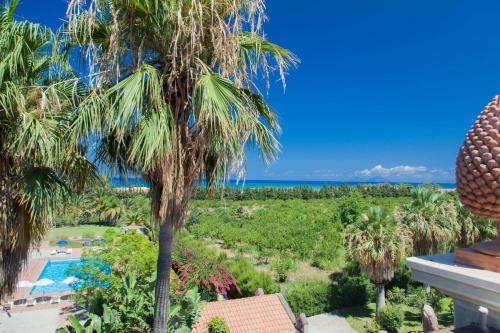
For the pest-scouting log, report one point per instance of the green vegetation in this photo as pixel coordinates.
(391, 318)
(83, 231)
(185, 107)
(359, 316)
(234, 247)
(172, 96)
(318, 252)
(249, 279)
(306, 230)
(351, 289)
(217, 325)
(39, 166)
(308, 297)
(305, 192)
(378, 243)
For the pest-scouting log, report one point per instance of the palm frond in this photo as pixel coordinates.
(151, 139)
(256, 51)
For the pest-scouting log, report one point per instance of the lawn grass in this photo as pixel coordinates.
(68, 233)
(357, 317)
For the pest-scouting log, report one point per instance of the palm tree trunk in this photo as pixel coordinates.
(166, 236)
(380, 301)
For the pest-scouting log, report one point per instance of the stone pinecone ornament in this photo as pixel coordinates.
(478, 164)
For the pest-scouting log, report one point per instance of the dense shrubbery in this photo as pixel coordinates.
(348, 290)
(249, 279)
(305, 192)
(391, 318)
(306, 230)
(350, 208)
(397, 296)
(418, 297)
(308, 297)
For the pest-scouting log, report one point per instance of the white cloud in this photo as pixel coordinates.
(400, 170)
(407, 173)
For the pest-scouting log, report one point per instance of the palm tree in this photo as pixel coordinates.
(176, 98)
(431, 219)
(473, 228)
(110, 208)
(136, 218)
(37, 164)
(378, 243)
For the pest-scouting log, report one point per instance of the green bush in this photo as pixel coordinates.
(396, 296)
(347, 291)
(308, 297)
(350, 207)
(282, 266)
(249, 279)
(391, 318)
(372, 326)
(217, 325)
(420, 296)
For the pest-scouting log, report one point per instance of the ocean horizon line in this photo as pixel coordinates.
(258, 183)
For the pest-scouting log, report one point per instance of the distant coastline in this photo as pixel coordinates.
(250, 183)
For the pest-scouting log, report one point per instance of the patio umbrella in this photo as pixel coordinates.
(43, 283)
(71, 280)
(25, 284)
(62, 242)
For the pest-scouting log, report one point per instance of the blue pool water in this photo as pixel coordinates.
(57, 271)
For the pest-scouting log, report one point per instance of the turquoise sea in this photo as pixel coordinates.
(137, 182)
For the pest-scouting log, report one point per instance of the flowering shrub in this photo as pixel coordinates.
(196, 266)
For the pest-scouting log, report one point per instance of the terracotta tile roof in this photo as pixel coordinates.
(467, 329)
(257, 314)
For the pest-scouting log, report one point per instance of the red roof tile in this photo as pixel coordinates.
(258, 314)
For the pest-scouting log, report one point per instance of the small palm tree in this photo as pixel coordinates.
(38, 165)
(431, 219)
(473, 228)
(136, 218)
(379, 243)
(176, 98)
(110, 209)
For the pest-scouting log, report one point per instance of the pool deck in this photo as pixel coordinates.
(20, 312)
(36, 263)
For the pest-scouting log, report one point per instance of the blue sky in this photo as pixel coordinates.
(384, 89)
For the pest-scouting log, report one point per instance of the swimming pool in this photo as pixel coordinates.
(57, 271)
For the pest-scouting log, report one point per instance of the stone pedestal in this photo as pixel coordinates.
(469, 287)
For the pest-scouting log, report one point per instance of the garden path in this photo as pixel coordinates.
(42, 321)
(329, 323)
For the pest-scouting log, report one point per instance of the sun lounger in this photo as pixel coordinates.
(53, 252)
(55, 300)
(69, 251)
(8, 306)
(31, 302)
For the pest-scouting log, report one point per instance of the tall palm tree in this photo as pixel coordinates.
(378, 243)
(176, 97)
(37, 164)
